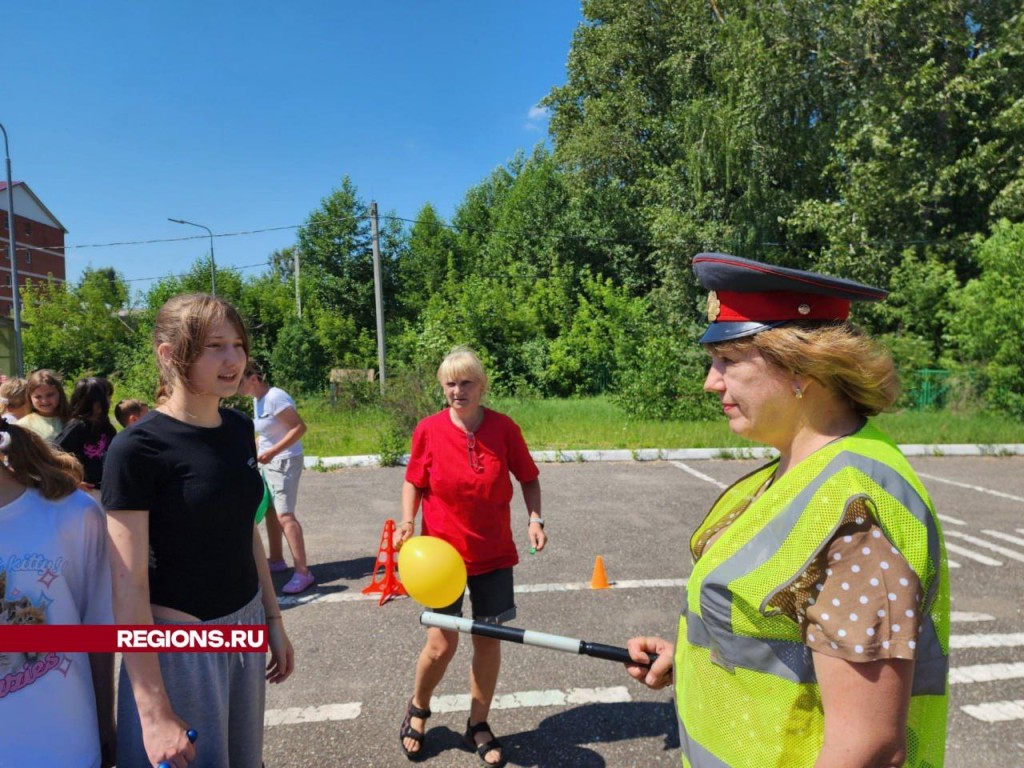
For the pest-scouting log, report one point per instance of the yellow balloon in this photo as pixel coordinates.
(432, 571)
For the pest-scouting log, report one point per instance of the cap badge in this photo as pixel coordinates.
(714, 306)
(804, 309)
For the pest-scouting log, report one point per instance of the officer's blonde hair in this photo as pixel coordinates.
(462, 363)
(839, 356)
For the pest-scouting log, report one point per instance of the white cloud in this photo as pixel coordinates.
(536, 118)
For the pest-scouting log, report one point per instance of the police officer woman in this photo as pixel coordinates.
(815, 630)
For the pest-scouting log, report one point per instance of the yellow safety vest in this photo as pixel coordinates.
(746, 691)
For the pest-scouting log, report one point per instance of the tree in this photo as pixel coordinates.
(827, 135)
(425, 267)
(989, 311)
(77, 328)
(337, 262)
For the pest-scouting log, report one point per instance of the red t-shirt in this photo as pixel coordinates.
(467, 496)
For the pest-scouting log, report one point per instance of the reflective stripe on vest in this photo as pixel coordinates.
(785, 658)
(753, 570)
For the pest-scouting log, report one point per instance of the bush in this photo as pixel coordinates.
(985, 328)
(666, 380)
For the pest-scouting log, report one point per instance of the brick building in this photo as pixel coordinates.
(39, 243)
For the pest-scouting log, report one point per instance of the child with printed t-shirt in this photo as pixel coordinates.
(57, 709)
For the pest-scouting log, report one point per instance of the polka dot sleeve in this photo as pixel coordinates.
(864, 604)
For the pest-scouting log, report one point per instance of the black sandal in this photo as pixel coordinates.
(483, 749)
(408, 732)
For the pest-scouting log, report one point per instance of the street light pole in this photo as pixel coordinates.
(213, 264)
(18, 362)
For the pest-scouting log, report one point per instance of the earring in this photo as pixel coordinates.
(799, 393)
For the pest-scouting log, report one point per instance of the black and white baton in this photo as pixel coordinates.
(529, 637)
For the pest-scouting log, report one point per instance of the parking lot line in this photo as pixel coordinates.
(293, 715)
(986, 673)
(1011, 640)
(977, 488)
(571, 586)
(996, 711)
(1003, 536)
(967, 616)
(549, 698)
(971, 555)
(700, 475)
(1004, 551)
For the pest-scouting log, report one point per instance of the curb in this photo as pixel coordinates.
(680, 454)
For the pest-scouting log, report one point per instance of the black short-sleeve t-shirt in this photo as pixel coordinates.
(89, 443)
(201, 487)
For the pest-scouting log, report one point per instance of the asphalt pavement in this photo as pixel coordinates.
(356, 659)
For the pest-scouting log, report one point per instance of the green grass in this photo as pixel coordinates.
(598, 423)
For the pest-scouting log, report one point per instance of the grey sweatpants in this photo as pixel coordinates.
(221, 695)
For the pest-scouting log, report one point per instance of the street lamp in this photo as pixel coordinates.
(213, 264)
(14, 260)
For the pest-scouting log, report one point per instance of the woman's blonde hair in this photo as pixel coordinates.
(44, 377)
(184, 323)
(462, 363)
(839, 356)
(35, 464)
(13, 394)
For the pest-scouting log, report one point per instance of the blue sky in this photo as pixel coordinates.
(243, 116)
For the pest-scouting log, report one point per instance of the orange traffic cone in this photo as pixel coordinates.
(600, 579)
(388, 585)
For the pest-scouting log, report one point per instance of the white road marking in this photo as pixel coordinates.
(987, 641)
(971, 555)
(701, 475)
(1004, 537)
(967, 616)
(977, 488)
(986, 673)
(952, 563)
(996, 711)
(548, 698)
(294, 715)
(1005, 551)
(572, 586)
(951, 520)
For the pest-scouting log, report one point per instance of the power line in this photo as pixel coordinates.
(459, 228)
(186, 274)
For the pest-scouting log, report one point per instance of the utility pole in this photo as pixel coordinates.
(11, 237)
(377, 292)
(298, 296)
(213, 263)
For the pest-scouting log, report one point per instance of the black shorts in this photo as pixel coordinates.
(492, 596)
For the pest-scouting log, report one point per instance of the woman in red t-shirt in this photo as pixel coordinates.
(460, 470)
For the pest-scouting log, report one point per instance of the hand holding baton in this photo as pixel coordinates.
(529, 637)
(192, 734)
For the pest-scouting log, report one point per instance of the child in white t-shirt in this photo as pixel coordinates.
(279, 431)
(57, 709)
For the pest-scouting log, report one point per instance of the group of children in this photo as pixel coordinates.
(164, 534)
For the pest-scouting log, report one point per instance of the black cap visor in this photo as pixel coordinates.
(730, 331)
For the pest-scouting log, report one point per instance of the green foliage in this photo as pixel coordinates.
(77, 328)
(665, 379)
(871, 139)
(985, 328)
(298, 361)
(587, 356)
(410, 395)
(392, 446)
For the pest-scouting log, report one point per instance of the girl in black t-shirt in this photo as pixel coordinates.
(181, 488)
(88, 432)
